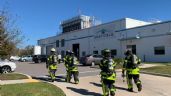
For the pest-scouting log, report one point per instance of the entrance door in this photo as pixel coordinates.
(76, 49)
(132, 47)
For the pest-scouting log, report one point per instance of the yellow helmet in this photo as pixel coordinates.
(53, 50)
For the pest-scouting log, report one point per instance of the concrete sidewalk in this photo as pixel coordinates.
(91, 86)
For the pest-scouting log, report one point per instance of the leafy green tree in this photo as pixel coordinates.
(10, 35)
(28, 50)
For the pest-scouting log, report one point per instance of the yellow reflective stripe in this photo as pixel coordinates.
(112, 77)
(73, 68)
(53, 66)
(135, 71)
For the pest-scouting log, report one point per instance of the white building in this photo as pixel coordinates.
(150, 41)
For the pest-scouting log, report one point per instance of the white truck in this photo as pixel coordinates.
(37, 50)
(37, 56)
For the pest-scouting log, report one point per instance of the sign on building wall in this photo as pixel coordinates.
(103, 33)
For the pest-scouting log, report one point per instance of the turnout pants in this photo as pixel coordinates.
(108, 87)
(75, 75)
(52, 73)
(136, 80)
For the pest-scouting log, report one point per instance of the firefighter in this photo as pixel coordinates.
(72, 68)
(51, 64)
(108, 74)
(130, 65)
(66, 59)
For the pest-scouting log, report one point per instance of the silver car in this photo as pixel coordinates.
(91, 59)
(28, 58)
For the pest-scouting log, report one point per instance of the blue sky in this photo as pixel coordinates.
(41, 18)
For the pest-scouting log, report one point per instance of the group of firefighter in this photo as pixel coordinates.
(130, 70)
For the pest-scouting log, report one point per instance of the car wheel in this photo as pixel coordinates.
(24, 60)
(6, 69)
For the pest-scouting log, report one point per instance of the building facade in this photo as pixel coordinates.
(150, 41)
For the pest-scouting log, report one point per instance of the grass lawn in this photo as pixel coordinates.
(12, 76)
(166, 69)
(31, 89)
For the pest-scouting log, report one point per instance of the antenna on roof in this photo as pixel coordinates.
(79, 11)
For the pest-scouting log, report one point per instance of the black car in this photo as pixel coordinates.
(39, 58)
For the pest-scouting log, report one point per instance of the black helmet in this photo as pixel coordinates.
(67, 52)
(106, 52)
(71, 52)
(128, 52)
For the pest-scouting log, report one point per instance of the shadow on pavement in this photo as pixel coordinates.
(121, 88)
(84, 92)
(100, 85)
(96, 84)
(47, 78)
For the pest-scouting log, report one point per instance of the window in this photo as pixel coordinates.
(57, 43)
(159, 50)
(62, 43)
(95, 52)
(83, 53)
(132, 47)
(113, 52)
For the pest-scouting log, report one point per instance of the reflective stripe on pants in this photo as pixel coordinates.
(108, 87)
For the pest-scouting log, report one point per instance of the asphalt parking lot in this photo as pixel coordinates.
(39, 69)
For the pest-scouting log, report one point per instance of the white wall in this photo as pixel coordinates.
(130, 23)
(150, 36)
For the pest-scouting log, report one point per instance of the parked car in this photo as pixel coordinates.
(26, 58)
(39, 58)
(91, 59)
(14, 58)
(7, 66)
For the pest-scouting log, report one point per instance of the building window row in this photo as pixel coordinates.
(159, 50)
(62, 43)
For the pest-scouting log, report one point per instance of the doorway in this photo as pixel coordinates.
(76, 49)
(132, 48)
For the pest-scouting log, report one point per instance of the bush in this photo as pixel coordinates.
(119, 62)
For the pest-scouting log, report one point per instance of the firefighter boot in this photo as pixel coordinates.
(139, 86)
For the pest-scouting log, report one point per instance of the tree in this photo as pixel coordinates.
(10, 35)
(28, 50)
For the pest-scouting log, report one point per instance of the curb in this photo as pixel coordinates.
(156, 74)
(28, 80)
(29, 77)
